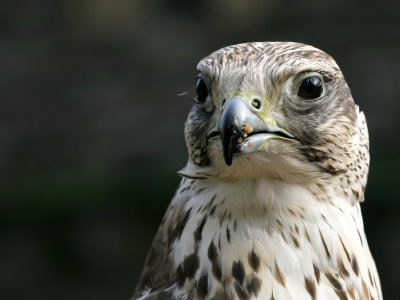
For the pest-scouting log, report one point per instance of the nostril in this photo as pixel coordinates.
(256, 103)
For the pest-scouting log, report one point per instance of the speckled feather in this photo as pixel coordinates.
(283, 222)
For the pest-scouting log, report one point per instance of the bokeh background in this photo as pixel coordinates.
(91, 126)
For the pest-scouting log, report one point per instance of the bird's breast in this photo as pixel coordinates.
(258, 239)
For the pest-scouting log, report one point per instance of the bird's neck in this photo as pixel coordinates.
(269, 205)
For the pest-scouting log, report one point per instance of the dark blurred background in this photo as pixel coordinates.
(91, 126)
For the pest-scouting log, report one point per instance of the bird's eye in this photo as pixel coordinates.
(201, 90)
(310, 88)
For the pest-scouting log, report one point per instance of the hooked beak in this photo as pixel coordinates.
(242, 131)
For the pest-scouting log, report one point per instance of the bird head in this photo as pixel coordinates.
(274, 109)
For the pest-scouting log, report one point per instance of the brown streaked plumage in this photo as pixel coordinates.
(269, 203)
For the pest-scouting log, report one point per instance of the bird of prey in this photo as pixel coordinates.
(269, 203)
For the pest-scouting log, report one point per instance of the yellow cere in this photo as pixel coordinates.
(248, 97)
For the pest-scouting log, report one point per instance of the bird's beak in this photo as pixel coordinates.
(242, 130)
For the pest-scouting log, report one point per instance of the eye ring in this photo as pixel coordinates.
(310, 88)
(201, 91)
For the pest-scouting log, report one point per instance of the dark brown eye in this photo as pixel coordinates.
(310, 88)
(201, 90)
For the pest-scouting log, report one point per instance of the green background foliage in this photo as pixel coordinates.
(91, 126)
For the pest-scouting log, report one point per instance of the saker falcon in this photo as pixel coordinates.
(269, 203)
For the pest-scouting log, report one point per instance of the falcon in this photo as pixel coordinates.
(269, 203)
